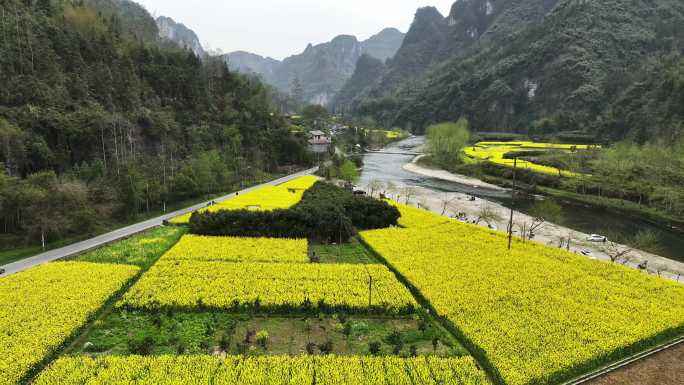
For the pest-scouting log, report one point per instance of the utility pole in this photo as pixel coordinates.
(370, 290)
(510, 221)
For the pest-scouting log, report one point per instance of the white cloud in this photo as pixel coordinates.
(279, 28)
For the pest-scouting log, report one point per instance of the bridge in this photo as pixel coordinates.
(412, 153)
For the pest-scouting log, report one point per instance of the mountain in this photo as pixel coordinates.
(180, 35)
(534, 66)
(383, 45)
(368, 71)
(321, 70)
(250, 63)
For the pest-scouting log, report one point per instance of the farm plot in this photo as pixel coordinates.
(328, 370)
(412, 217)
(536, 314)
(44, 306)
(239, 249)
(266, 198)
(495, 152)
(270, 287)
(141, 250)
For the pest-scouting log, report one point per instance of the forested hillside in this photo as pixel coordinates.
(601, 69)
(99, 123)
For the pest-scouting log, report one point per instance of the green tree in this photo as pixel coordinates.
(348, 172)
(445, 142)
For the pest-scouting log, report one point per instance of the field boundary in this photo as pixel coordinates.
(625, 362)
(670, 337)
(475, 351)
(33, 373)
(106, 308)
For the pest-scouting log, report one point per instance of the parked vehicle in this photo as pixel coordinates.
(2, 271)
(596, 238)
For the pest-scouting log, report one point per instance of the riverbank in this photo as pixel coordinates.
(416, 168)
(549, 234)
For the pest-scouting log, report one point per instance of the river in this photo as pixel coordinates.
(586, 219)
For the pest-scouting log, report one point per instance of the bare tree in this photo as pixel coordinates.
(374, 186)
(445, 201)
(658, 269)
(424, 203)
(615, 250)
(523, 230)
(488, 214)
(678, 273)
(390, 188)
(408, 192)
(618, 247)
(541, 213)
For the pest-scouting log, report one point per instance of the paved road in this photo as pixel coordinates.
(124, 232)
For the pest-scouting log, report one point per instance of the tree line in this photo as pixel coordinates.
(99, 123)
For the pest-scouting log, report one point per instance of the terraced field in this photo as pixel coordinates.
(434, 301)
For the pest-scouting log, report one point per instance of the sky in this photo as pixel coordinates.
(280, 28)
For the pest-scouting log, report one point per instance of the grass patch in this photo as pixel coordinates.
(353, 252)
(15, 254)
(140, 250)
(136, 332)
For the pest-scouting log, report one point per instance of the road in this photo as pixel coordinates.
(124, 232)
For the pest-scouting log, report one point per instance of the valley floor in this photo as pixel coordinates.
(548, 234)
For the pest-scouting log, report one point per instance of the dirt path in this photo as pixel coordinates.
(662, 368)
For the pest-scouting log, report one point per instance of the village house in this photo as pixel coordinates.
(319, 137)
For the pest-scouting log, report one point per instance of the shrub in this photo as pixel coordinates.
(374, 347)
(326, 347)
(326, 212)
(141, 347)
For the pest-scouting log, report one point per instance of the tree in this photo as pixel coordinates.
(408, 192)
(315, 115)
(542, 212)
(374, 186)
(348, 172)
(488, 214)
(297, 91)
(445, 200)
(390, 188)
(445, 142)
(618, 247)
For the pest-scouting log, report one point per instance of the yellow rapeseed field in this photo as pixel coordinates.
(273, 370)
(494, 152)
(266, 198)
(417, 218)
(239, 249)
(539, 314)
(42, 307)
(276, 286)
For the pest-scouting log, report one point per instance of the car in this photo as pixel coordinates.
(2, 271)
(596, 238)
